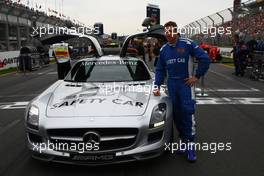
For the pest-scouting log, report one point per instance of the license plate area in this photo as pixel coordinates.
(92, 157)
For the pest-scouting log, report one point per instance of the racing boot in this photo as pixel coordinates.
(191, 153)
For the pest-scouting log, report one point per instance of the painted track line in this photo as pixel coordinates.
(199, 100)
(231, 79)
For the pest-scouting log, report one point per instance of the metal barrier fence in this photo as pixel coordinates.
(216, 19)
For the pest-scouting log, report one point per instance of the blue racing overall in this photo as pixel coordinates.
(177, 60)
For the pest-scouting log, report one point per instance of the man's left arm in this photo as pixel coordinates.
(203, 63)
(202, 58)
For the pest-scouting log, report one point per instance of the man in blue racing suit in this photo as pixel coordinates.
(176, 59)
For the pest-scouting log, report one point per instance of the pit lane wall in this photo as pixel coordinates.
(8, 59)
(225, 52)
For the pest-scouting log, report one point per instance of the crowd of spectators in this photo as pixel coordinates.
(252, 25)
(38, 10)
(17, 4)
(15, 8)
(248, 26)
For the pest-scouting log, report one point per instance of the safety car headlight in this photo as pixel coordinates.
(33, 117)
(158, 116)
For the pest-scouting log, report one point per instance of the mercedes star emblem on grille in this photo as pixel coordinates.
(91, 137)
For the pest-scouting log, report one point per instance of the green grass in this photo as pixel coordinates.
(227, 61)
(53, 61)
(9, 70)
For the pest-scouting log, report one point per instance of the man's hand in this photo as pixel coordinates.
(156, 92)
(191, 81)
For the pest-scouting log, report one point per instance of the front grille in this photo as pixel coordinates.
(111, 139)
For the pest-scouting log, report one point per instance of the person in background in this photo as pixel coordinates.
(242, 55)
(61, 53)
(150, 56)
(234, 51)
(156, 51)
(141, 50)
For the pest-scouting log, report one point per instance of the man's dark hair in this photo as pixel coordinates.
(170, 23)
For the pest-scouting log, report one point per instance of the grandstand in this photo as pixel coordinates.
(247, 21)
(17, 22)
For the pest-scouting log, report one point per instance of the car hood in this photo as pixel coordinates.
(92, 99)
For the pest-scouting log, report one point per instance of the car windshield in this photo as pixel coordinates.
(108, 71)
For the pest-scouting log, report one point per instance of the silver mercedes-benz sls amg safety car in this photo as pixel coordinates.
(103, 112)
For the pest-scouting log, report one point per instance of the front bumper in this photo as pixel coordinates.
(148, 143)
(68, 159)
(145, 147)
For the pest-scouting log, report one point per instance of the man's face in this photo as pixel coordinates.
(171, 34)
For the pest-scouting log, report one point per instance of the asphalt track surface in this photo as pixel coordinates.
(224, 119)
